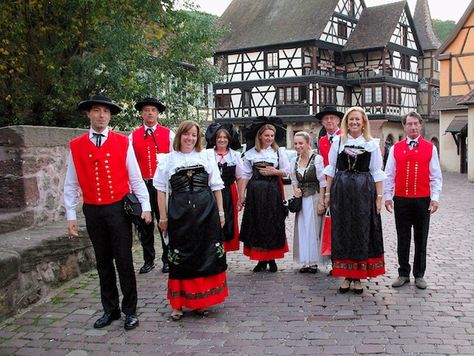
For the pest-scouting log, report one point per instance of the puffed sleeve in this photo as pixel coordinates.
(319, 165)
(239, 165)
(376, 163)
(284, 163)
(215, 180)
(246, 169)
(160, 179)
(330, 169)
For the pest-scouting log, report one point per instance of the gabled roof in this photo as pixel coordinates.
(424, 26)
(449, 103)
(458, 28)
(376, 26)
(467, 99)
(258, 23)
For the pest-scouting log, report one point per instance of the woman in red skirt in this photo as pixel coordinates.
(224, 139)
(193, 218)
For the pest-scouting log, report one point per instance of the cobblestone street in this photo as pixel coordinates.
(281, 313)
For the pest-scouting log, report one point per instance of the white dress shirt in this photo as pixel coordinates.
(265, 155)
(376, 160)
(170, 162)
(72, 189)
(436, 178)
(172, 135)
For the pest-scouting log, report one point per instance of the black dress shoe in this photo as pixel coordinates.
(107, 319)
(131, 322)
(272, 266)
(165, 268)
(147, 267)
(261, 266)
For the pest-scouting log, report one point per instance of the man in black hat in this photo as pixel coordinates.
(330, 118)
(102, 165)
(148, 141)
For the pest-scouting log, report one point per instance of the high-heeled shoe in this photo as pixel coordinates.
(261, 266)
(272, 266)
(358, 290)
(342, 289)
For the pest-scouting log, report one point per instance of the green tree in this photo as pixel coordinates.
(54, 53)
(443, 28)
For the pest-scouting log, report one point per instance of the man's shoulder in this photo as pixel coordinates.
(79, 138)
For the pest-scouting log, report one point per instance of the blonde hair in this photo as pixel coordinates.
(184, 127)
(305, 135)
(345, 126)
(258, 144)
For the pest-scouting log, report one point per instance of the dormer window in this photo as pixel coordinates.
(342, 29)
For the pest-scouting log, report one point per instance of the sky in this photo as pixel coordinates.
(440, 9)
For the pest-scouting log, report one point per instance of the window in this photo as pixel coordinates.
(404, 30)
(327, 94)
(222, 101)
(342, 29)
(378, 94)
(271, 60)
(246, 98)
(367, 95)
(307, 61)
(351, 8)
(405, 62)
(292, 95)
(393, 95)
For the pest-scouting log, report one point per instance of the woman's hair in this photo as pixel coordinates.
(305, 135)
(225, 132)
(184, 127)
(345, 126)
(258, 143)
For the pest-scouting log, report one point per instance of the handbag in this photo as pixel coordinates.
(295, 204)
(326, 234)
(133, 208)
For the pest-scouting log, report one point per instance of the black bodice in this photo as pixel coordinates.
(353, 159)
(189, 178)
(227, 173)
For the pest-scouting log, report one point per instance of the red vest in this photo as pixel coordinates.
(101, 172)
(412, 171)
(146, 150)
(324, 147)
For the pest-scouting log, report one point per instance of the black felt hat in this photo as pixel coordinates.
(211, 132)
(99, 100)
(252, 130)
(150, 101)
(329, 110)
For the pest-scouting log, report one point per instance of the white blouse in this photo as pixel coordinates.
(376, 161)
(318, 164)
(169, 163)
(232, 158)
(266, 155)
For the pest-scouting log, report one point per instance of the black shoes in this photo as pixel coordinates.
(107, 319)
(147, 267)
(165, 268)
(131, 322)
(272, 266)
(347, 282)
(261, 266)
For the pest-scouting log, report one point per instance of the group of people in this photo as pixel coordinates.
(195, 195)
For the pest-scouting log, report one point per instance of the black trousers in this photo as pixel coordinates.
(412, 212)
(111, 234)
(146, 232)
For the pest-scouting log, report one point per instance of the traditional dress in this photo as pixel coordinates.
(230, 166)
(357, 241)
(307, 235)
(263, 224)
(197, 277)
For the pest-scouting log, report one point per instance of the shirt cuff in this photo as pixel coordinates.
(435, 197)
(71, 215)
(146, 206)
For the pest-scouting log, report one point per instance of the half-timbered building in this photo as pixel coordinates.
(456, 102)
(288, 58)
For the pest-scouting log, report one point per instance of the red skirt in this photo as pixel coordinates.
(234, 244)
(259, 254)
(197, 293)
(369, 268)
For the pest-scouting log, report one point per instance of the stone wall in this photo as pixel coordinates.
(32, 169)
(36, 253)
